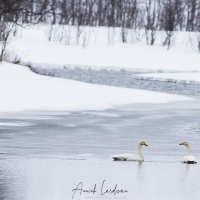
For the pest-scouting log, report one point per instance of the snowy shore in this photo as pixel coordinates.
(33, 46)
(22, 89)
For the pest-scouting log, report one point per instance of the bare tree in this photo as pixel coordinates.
(17, 13)
(126, 16)
(180, 6)
(197, 25)
(153, 8)
(6, 30)
(191, 11)
(168, 21)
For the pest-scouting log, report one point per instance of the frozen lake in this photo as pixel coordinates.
(45, 155)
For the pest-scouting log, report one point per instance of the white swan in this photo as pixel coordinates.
(188, 158)
(133, 157)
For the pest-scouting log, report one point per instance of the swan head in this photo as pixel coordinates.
(184, 143)
(143, 143)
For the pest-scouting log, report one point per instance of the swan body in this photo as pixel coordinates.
(188, 158)
(127, 157)
(132, 157)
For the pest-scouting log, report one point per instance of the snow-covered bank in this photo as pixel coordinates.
(35, 48)
(193, 78)
(21, 89)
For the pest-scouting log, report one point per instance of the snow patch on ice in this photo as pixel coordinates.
(189, 77)
(3, 124)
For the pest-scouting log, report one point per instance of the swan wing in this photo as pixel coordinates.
(127, 157)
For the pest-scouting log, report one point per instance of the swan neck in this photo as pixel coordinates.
(140, 152)
(188, 150)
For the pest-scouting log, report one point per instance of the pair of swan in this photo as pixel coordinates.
(132, 157)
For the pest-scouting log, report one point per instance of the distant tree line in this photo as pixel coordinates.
(149, 15)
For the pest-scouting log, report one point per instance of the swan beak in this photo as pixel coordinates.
(146, 145)
(181, 143)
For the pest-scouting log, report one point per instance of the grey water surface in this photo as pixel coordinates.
(46, 154)
(120, 78)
